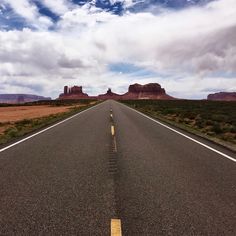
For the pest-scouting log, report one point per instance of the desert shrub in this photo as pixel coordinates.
(199, 123)
(233, 129)
(214, 118)
(216, 128)
(11, 132)
(36, 122)
(191, 115)
(219, 117)
(23, 122)
(168, 111)
(187, 121)
(209, 122)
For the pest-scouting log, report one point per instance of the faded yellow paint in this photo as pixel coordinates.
(112, 130)
(116, 227)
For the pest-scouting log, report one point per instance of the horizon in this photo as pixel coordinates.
(104, 92)
(188, 47)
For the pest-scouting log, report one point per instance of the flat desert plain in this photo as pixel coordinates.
(17, 113)
(12, 114)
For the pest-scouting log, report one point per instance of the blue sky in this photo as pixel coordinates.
(188, 46)
(12, 20)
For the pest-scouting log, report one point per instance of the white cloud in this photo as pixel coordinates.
(58, 6)
(194, 47)
(198, 87)
(27, 10)
(84, 18)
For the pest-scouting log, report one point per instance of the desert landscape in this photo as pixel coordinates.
(19, 120)
(152, 91)
(213, 120)
(118, 117)
(17, 113)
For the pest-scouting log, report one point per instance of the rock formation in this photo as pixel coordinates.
(75, 92)
(109, 95)
(136, 91)
(147, 91)
(21, 98)
(222, 96)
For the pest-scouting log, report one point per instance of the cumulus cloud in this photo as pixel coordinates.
(191, 48)
(83, 19)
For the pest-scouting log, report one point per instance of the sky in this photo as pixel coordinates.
(187, 46)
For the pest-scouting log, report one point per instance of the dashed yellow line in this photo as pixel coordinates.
(115, 223)
(113, 130)
(116, 227)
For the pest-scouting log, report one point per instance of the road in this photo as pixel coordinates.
(77, 177)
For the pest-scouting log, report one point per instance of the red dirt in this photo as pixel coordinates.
(17, 113)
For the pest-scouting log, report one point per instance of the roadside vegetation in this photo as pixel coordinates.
(11, 129)
(214, 120)
(68, 102)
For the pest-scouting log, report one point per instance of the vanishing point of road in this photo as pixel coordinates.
(110, 171)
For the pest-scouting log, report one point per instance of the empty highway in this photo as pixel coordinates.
(110, 169)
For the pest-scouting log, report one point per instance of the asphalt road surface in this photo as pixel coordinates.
(74, 178)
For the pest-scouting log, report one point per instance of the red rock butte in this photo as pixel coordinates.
(135, 91)
(222, 96)
(75, 92)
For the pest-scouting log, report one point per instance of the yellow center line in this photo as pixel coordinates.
(116, 227)
(112, 130)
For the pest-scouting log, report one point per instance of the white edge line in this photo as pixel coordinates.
(48, 128)
(184, 135)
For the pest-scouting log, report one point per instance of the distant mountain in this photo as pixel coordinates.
(222, 96)
(136, 91)
(21, 98)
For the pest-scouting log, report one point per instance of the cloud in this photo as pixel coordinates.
(179, 41)
(197, 87)
(126, 3)
(190, 48)
(83, 19)
(58, 6)
(28, 11)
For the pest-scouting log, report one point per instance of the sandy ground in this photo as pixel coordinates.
(12, 114)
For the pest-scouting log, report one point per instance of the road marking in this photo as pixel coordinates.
(46, 129)
(184, 135)
(112, 130)
(111, 116)
(116, 227)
